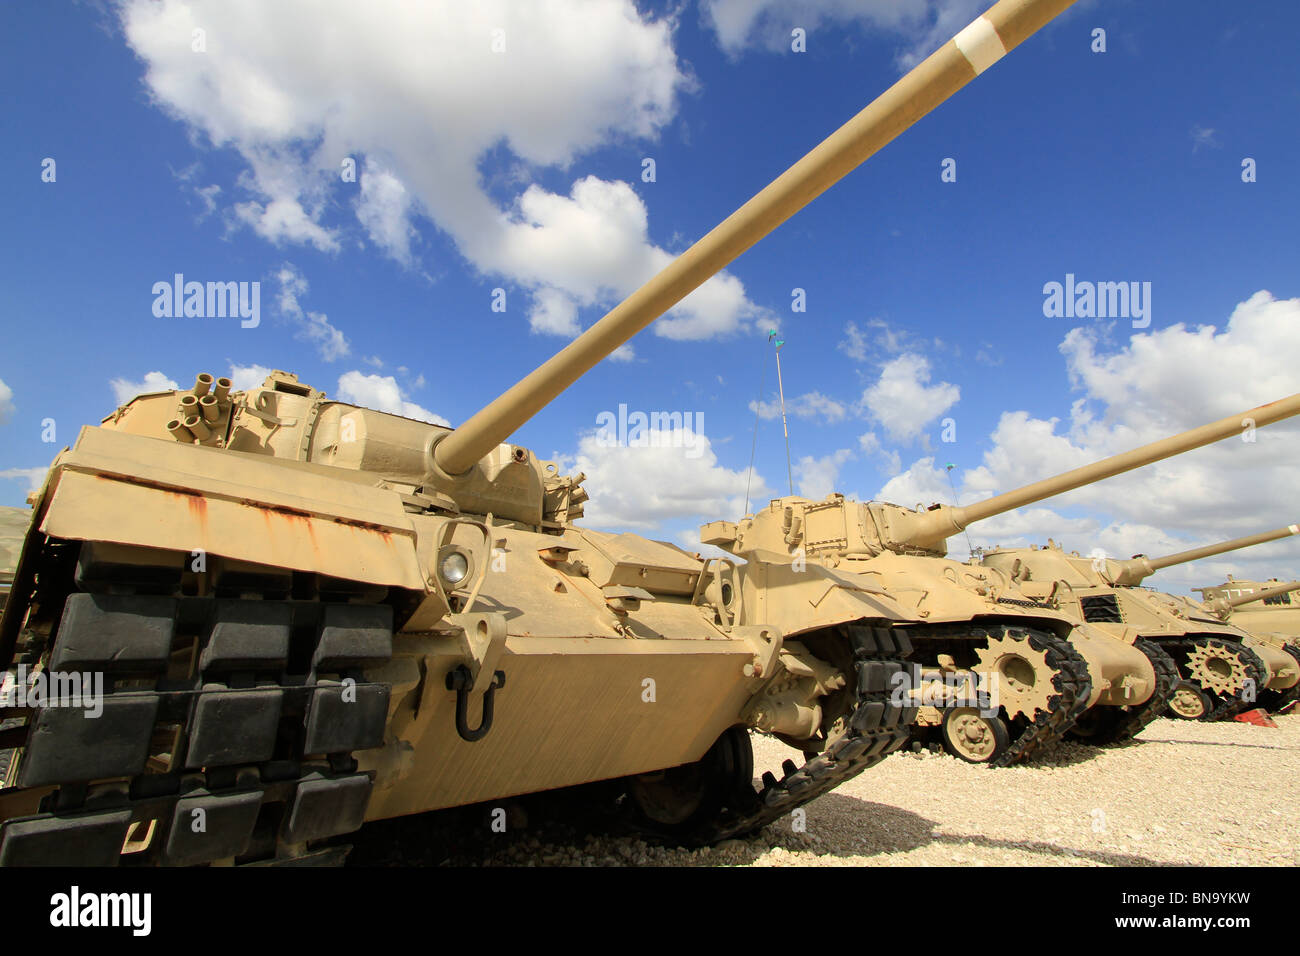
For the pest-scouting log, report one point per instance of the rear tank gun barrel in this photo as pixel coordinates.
(1263, 594)
(1003, 27)
(1225, 606)
(933, 527)
(1134, 570)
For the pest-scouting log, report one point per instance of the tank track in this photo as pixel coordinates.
(1070, 680)
(1073, 689)
(1127, 724)
(1226, 706)
(875, 728)
(248, 757)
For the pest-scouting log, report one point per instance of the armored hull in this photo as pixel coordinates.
(1226, 668)
(998, 676)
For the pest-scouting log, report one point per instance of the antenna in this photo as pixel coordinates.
(969, 547)
(789, 473)
(753, 448)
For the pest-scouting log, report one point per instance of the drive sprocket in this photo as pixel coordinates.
(1218, 667)
(1017, 675)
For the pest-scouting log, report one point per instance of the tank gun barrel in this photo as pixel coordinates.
(1003, 27)
(931, 528)
(1263, 594)
(1225, 606)
(1134, 570)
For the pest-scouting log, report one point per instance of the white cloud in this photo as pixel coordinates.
(689, 540)
(313, 327)
(415, 94)
(809, 405)
(1035, 525)
(245, 377)
(208, 194)
(921, 484)
(855, 343)
(205, 194)
(34, 477)
(818, 477)
(891, 461)
(283, 220)
(124, 390)
(675, 476)
(1204, 136)
(6, 402)
(921, 24)
(592, 247)
(382, 393)
(903, 401)
(1154, 386)
(554, 312)
(385, 210)
(877, 337)
(1251, 360)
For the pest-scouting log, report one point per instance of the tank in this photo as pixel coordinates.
(1261, 607)
(13, 529)
(1269, 613)
(246, 623)
(980, 627)
(1222, 669)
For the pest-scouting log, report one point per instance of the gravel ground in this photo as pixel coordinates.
(1182, 793)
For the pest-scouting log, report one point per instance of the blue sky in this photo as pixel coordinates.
(924, 298)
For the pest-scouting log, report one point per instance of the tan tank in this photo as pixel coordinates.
(1261, 607)
(306, 615)
(13, 529)
(1270, 614)
(979, 627)
(1222, 668)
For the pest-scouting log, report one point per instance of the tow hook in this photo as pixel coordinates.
(461, 681)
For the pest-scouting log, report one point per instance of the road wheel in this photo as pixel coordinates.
(1189, 702)
(972, 737)
(674, 802)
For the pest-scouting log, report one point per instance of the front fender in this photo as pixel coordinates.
(796, 598)
(151, 493)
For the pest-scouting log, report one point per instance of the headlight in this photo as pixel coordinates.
(453, 567)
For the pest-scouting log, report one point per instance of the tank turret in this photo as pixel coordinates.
(1224, 606)
(840, 527)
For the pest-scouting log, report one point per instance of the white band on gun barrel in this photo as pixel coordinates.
(980, 45)
(1294, 528)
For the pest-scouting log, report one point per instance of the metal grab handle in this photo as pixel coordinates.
(460, 681)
